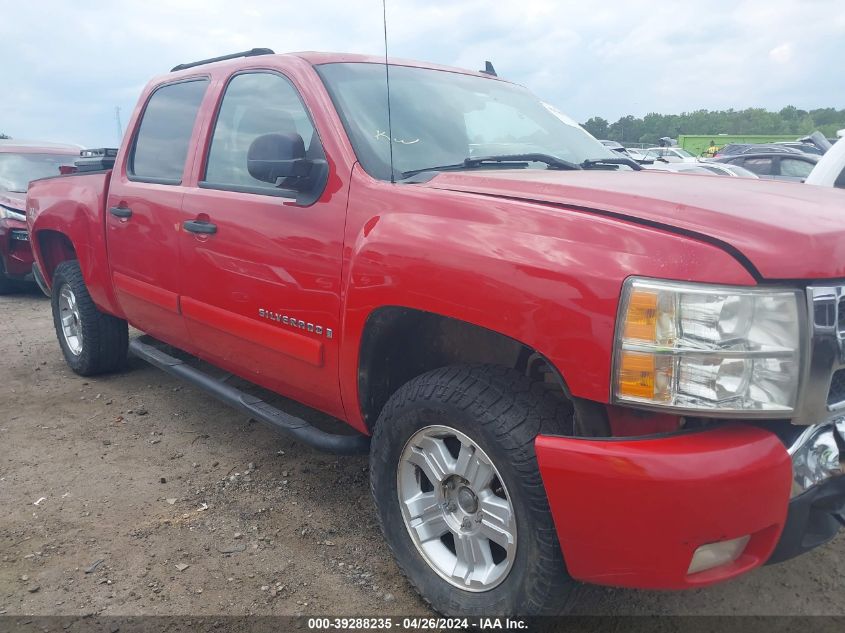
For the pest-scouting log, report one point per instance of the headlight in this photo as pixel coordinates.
(697, 347)
(11, 214)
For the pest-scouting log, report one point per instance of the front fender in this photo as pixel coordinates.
(547, 277)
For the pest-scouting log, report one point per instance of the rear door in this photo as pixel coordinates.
(261, 293)
(794, 169)
(763, 166)
(144, 210)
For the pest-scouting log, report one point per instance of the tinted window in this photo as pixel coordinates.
(840, 181)
(162, 142)
(760, 166)
(254, 104)
(794, 167)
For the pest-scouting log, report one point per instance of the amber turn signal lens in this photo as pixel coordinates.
(636, 375)
(641, 316)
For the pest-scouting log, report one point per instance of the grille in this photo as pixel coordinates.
(837, 387)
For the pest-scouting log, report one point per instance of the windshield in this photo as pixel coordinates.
(441, 118)
(683, 152)
(18, 170)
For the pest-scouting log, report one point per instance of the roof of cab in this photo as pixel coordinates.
(316, 58)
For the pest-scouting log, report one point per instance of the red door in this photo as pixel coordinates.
(261, 281)
(144, 211)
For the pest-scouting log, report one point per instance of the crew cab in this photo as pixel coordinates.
(21, 162)
(564, 368)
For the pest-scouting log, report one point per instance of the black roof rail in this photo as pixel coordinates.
(253, 52)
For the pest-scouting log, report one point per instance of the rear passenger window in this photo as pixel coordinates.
(795, 167)
(760, 166)
(161, 145)
(255, 104)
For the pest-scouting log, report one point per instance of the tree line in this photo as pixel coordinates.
(650, 128)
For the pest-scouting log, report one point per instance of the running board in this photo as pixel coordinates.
(357, 444)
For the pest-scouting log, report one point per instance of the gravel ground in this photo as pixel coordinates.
(133, 494)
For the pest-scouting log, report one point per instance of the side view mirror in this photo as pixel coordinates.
(272, 157)
(280, 160)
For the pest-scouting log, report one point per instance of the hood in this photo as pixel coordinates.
(781, 230)
(13, 200)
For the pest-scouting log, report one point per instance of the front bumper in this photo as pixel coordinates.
(15, 250)
(632, 512)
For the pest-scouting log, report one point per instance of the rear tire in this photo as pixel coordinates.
(7, 286)
(417, 461)
(92, 341)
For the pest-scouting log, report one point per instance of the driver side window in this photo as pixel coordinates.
(254, 105)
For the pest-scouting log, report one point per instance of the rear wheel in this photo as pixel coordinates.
(459, 495)
(7, 286)
(92, 342)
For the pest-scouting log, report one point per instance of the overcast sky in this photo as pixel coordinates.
(65, 66)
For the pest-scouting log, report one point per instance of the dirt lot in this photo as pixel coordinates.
(134, 494)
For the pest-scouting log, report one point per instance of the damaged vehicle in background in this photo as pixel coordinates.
(20, 163)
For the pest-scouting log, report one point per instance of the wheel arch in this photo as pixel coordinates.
(400, 343)
(54, 247)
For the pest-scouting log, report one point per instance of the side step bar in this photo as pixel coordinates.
(298, 428)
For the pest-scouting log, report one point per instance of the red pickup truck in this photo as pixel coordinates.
(564, 368)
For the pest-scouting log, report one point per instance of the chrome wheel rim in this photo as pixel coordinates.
(70, 319)
(456, 508)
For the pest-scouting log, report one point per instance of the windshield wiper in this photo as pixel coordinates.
(621, 160)
(477, 161)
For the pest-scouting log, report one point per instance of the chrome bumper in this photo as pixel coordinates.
(816, 455)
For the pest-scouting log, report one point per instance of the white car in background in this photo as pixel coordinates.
(733, 171)
(830, 170)
(670, 154)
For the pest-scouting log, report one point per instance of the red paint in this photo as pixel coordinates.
(16, 256)
(538, 256)
(625, 422)
(144, 292)
(285, 342)
(630, 513)
(756, 217)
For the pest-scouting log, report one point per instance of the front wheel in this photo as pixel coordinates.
(459, 495)
(92, 342)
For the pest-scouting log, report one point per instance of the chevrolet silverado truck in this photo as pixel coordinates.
(564, 369)
(21, 162)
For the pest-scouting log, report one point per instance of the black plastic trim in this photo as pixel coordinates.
(263, 191)
(39, 279)
(357, 444)
(253, 52)
(814, 518)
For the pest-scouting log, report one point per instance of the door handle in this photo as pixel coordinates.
(121, 212)
(198, 226)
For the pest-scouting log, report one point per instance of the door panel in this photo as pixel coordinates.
(145, 206)
(261, 294)
(144, 252)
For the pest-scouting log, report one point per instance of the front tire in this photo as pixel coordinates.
(458, 491)
(92, 341)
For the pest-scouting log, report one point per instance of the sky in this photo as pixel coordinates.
(66, 66)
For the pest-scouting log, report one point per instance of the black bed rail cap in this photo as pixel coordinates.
(253, 52)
